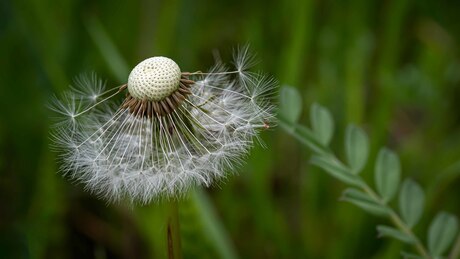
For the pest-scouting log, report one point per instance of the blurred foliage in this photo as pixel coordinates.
(391, 67)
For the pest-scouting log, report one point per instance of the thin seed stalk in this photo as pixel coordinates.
(398, 222)
(173, 230)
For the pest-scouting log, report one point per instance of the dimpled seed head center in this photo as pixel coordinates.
(154, 79)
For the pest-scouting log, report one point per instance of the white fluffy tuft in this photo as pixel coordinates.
(119, 156)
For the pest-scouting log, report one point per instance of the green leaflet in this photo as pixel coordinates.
(356, 148)
(322, 123)
(441, 233)
(336, 169)
(364, 201)
(387, 174)
(411, 201)
(386, 231)
(303, 134)
(290, 106)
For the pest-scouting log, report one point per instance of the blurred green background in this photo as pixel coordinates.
(392, 67)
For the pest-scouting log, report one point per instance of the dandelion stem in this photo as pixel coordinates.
(173, 230)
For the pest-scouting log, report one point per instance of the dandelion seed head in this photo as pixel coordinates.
(174, 130)
(154, 79)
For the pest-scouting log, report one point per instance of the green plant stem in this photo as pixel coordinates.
(455, 252)
(173, 231)
(394, 217)
(397, 221)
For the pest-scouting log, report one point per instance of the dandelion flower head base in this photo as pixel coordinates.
(156, 87)
(173, 130)
(154, 79)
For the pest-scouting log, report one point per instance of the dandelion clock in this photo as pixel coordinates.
(169, 131)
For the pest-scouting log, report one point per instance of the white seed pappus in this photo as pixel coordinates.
(121, 154)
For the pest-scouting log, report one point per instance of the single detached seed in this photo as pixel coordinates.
(154, 79)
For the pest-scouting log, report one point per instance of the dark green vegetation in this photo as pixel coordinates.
(390, 67)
